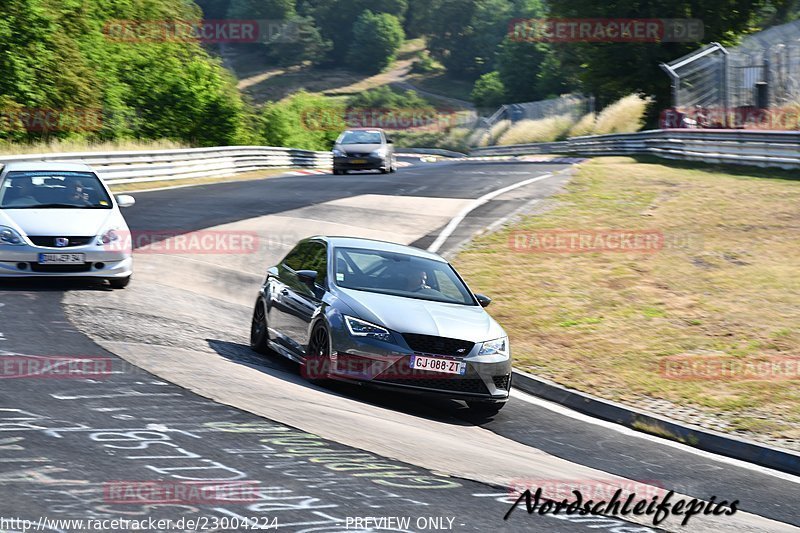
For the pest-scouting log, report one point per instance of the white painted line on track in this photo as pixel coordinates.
(560, 409)
(453, 224)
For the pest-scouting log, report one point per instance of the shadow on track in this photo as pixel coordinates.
(432, 408)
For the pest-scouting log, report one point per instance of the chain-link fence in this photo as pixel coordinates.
(574, 105)
(762, 72)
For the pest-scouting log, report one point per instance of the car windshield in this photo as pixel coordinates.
(400, 275)
(360, 137)
(53, 190)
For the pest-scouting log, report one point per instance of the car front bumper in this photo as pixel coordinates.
(99, 262)
(487, 377)
(359, 163)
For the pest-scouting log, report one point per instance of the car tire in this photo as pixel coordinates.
(318, 356)
(259, 334)
(119, 283)
(485, 408)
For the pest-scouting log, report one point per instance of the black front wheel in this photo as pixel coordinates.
(259, 338)
(318, 356)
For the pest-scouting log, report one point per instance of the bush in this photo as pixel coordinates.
(385, 97)
(626, 115)
(425, 64)
(376, 39)
(585, 126)
(497, 131)
(488, 91)
(303, 120)
(535, 131)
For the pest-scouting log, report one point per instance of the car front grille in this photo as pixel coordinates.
(50, 242)
(62, 269)
(502, 382)
(357, 154)
(455, 384)
(437, 345)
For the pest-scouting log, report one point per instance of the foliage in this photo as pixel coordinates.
(386, 98)
(537, 131)
(376, 39)
(303, 120)
(489, 91)
(626, 115)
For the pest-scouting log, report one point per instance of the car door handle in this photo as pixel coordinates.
(285, 292)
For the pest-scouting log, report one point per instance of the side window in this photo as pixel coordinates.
(295, 258)
(317, 259)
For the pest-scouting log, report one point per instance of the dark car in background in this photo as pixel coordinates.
(385, 314)
(363, 149)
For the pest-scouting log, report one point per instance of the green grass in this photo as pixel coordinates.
(725, 284)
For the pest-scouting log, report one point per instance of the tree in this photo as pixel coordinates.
(529, 71)
(261, 9)
(376, 39)
(463, 34)
(489, 91)
(613, 70)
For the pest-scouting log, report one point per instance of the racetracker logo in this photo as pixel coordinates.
(44, 120)
(411, 118)
(203, 242)
(181, 492)
(747, 117)
(608, 30)
(205, 31)
(689, 367)
(586, 241)
(54, 367)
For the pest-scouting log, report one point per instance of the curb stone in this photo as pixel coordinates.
(703, 439)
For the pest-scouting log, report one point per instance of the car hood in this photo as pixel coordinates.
(359, 148)
(61, 222)
(409, 315)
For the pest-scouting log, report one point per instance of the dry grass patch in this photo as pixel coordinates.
(726, 283)
(535, 131)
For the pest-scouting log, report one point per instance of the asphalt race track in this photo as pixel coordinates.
(186, 400)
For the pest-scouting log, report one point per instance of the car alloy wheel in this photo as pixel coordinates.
(259, 338)
(318, 355)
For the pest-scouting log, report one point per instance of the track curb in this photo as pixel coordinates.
(703, 439)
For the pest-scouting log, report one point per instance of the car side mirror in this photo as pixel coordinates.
(483, 300)
(125, 200)
(389, 141)
(307, 276)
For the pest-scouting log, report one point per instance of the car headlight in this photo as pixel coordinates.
(10, 237)
(362, 328)
(495, 347)
(109, 237)
(380, 152)
(339, 153)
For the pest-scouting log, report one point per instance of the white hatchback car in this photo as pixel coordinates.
(60, 220)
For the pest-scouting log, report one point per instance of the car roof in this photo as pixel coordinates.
(364, 129)
(46, 166)
(372, 244)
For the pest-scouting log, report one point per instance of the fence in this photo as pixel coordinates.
(737, 147)
(763, 71)
(164, 165)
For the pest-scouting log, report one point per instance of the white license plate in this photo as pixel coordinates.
(61, 259)
(435, 364)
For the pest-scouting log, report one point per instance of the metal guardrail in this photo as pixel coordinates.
(165, 165)
(737, 147)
